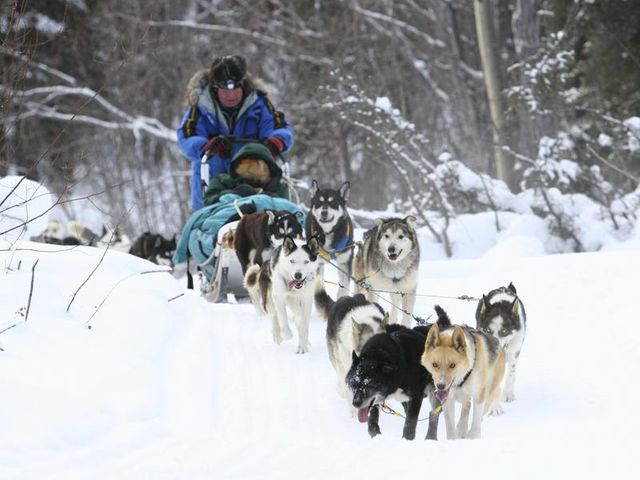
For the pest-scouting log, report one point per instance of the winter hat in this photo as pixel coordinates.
(228, 72)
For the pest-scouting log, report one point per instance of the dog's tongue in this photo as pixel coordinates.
(442, 395)
(363, 414)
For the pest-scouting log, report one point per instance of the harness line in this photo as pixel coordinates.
(387, 409)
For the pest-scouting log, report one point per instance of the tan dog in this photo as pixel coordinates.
(467, 366)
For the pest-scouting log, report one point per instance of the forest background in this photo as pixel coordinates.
(427, 107)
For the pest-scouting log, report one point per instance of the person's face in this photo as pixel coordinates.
(230, 98)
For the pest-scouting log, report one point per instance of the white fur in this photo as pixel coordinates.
(281, 299)
(343, 345)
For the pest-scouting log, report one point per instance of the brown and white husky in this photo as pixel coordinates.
(467, 366)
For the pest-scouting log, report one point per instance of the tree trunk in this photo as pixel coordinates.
(484, 31)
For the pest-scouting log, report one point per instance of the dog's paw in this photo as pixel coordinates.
(496, 410)
(302, 349)
(374, 430)
(509, 397)
(277, 338)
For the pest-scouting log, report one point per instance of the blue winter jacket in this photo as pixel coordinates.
(257, 118)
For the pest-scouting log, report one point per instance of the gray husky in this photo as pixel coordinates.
(388, 260)
(501, 313)
(351, 321)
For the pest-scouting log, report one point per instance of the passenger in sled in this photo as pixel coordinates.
(227, 107)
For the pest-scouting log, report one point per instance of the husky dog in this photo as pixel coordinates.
(351, 321)
(83, 234)
(286, 281)
(155, 248)
(259, 233)
(114, 239)
(329, 220)
(501, 313)
(467, 366)
(389, 368)
(388, 259)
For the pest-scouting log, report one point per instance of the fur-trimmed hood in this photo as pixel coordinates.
(199, 82)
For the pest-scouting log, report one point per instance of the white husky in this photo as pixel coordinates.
(286, 281)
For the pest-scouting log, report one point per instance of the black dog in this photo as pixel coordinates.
(330, 222)
(389, 367)
(154, 247)
(258, 234)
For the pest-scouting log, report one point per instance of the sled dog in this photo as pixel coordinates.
(388, 259)
(114, 239)
(501, 313)
(389, 368)
(351, 321)
(259, 233)
(286, 281)
(467, 366)
(155, 248)
(329, 220)
(83, 234)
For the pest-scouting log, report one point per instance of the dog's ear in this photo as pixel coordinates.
(515, 307)
(409, 220)
(512, 288)
(385, 319)
(379, 221)
(433, 338)
(314, 245)
(314, 187)
(289, 245)
(158, 242)
(458, 339)
(356, 327)
(271, 216)
(344, 190)
(298, 214)
(485, 304)
(354, 357)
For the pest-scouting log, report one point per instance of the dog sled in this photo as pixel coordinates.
(207, 238)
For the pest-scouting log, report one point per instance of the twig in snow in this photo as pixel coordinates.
(33, 275)
(118, 283)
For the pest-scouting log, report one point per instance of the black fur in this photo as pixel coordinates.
(152, 246)
(343, 227)
(255, 231)
(487, 309)
(388, 362)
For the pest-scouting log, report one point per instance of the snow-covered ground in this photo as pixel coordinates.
(166, 386)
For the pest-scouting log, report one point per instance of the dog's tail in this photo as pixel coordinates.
(252, 285)
(443, 319)
(324, 303)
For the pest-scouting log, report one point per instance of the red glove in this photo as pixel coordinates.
(274, 144)
(219, 145)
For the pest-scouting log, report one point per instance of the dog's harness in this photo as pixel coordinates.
(345, 243)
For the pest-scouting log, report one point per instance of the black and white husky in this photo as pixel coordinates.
(286, 281)
(329, 220)
(501, 314)
(388, 260)
(351, 321)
